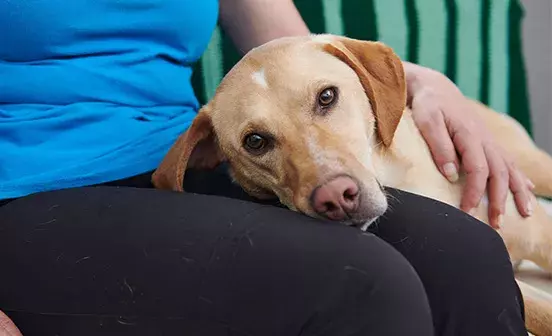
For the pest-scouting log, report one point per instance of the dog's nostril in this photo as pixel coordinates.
(350, 194)
(330, 206)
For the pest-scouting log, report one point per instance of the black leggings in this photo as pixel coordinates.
(119, 261)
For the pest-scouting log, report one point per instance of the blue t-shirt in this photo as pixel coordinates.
(94, 90)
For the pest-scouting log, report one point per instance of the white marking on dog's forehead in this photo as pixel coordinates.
(260, 78)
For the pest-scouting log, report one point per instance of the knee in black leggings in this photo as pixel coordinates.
(463, 264)
(293, 274)
(362, 287)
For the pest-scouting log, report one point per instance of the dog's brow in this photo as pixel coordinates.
(256, 126)
(260, 78)
(317, 85)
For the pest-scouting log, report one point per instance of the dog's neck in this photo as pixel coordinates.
(392, 163)
(402, 164)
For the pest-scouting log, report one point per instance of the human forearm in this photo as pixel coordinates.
(250, 23)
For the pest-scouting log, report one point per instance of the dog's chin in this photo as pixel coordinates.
(367, 224)
(362, 224)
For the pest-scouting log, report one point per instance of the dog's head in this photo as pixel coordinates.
(301, 119)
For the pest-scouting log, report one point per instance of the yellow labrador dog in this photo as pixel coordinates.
(321, 122)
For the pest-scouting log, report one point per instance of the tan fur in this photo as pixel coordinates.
(533, 161)
(369, 134)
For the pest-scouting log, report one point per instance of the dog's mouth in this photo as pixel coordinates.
(362, 216)
(362, 224)
(367, 224)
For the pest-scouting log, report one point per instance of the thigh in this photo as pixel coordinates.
(462, 262)
(127, 261)
(206, 182)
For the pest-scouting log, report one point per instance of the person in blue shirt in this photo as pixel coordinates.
(92, 95)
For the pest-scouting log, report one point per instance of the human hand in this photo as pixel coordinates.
(7, 327)
(450, 127)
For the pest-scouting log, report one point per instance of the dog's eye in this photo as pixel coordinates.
(327, 97)
(255, 142)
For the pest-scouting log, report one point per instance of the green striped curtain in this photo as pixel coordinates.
(476, 43)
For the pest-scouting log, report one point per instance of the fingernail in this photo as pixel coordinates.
(531, 184)
(529, 208)
(500, 221)
(450, 171)
(471, 212)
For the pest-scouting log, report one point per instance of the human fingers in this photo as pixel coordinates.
(7, 327)
(474, 163)
(498, 186)
(431, 124)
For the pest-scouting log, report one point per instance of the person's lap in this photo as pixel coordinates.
(121, 261)
(151, 237)
(462, 262)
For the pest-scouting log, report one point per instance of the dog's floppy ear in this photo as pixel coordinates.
(382, 75)
(196, 148)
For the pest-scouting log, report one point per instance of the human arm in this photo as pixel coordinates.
(250, 23)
